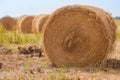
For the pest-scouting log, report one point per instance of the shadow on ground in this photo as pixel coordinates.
(113, 64)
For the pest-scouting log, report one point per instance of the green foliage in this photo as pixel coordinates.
(17, 38)
(62, 72)
(52, 76)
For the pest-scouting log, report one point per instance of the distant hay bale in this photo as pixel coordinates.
(25, 24)
(79, 36)
(8, 22)
(38, 22)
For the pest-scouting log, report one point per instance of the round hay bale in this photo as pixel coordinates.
(9, 23)
(25, 24)
(38, 22)
(79, 36)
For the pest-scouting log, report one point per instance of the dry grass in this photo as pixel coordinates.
(19, 67)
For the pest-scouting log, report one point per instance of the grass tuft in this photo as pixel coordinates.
(17, 38)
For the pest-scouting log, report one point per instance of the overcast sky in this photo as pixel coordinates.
(17, 8)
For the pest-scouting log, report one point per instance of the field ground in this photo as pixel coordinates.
(117, 22)
(17, 66)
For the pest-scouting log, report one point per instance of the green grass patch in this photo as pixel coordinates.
(7, 37)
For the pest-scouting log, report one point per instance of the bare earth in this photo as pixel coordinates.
(15, 66)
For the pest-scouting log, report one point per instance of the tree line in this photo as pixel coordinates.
(117, 17)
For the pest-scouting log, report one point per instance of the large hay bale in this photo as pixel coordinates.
(79, 36)
(9, 23)
(25, 24)
(38, 22)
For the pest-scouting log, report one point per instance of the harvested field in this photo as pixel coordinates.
(20, 66)
(38, 22)
(25, 24)
(9, 23)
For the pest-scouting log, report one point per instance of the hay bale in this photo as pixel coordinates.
(8, 22)
(38, 22)
(25, 24)
(79, 36)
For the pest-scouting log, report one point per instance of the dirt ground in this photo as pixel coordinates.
(17, 66)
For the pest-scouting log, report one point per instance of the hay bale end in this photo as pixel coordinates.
(79, 36)
(9, 23)
(25, 24)
(38, 22)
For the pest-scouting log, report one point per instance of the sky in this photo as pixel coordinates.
(16, 8)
